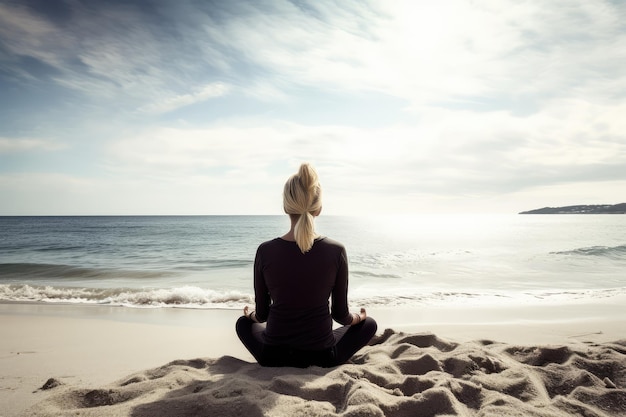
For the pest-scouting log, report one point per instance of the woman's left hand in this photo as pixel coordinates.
(249, 314)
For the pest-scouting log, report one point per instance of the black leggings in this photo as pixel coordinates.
(348, 340)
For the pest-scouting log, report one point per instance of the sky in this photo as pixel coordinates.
(207, 107)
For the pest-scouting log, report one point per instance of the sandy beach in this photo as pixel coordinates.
(468, 360)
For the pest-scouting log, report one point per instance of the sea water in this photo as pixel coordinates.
(207, 261)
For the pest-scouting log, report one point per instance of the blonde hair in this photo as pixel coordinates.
(302, 197)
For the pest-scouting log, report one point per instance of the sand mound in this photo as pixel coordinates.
(397, 375)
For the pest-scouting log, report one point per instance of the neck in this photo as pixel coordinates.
(291, 235)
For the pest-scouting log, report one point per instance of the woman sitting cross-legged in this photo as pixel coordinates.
(295, 276)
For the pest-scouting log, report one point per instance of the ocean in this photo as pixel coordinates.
(206, 261)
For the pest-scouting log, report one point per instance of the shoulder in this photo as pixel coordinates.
(326, 241)
(269, 244)
(328, 244)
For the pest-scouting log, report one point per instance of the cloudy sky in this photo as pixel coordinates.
(206, 107)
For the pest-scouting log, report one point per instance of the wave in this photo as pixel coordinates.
(439, 298)
(59, 248)
(195, 297)
(219, 264)
(613, 252)
(12, 271)
(187, 296)
(370, 274)
(40, 271)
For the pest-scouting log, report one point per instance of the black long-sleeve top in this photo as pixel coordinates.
(292, 291)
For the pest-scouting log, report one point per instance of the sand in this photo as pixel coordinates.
(535, 360)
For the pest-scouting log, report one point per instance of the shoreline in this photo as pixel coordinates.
(90, 346)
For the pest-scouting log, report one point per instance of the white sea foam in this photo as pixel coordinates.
(190, 297)
(194, 297)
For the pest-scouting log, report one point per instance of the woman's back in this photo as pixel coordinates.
(300, 285)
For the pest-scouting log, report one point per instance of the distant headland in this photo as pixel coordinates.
(582, 209)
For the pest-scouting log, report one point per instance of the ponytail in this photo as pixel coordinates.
(302, 198)
(304, 232)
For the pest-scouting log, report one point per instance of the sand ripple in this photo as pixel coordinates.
(399, 374)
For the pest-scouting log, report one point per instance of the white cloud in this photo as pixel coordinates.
(167, 104)
(440, 52)
(505, 100)
(426, 53)
(27, 35)
(62, 194)
(24, 144)
(451, 152)
(114, 55)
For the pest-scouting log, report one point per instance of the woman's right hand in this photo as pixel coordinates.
(361, 316)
